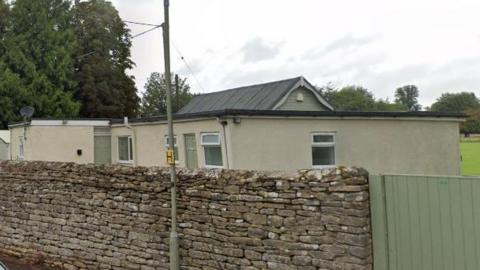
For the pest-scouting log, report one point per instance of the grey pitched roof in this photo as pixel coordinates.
(263, 96)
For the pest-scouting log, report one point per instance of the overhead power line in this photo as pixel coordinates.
(155, 26)
(146, 31)
(188, 67)
(141, 23)
(86, 54)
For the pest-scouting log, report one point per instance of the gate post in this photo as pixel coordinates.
(379, 222)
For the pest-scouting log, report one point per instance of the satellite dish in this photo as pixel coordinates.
(27, 112)
(3, 267)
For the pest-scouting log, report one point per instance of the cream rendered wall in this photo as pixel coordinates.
(54, 143)
(149, 141)
(380, 146)
(4, 150)
(15, 133)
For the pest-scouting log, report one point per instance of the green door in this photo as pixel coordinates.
(191, 151)
(102, 150)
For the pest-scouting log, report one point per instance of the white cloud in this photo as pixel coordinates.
(374, 43)
(257, 49)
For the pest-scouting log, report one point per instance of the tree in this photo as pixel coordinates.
(356, 98)
(351, 98)
(472, 124)
(4, 12)
(464, 102)
(103, 56)
(408, 96)
(385, 106)
(36, 66)
(456, 102)
(154, 101)
(7, 79)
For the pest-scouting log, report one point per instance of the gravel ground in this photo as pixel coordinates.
(15, 264)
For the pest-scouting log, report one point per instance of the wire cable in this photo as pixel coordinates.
(146, 31)
(188, 67)
(141, 23)
(137, 35)
(85, 55)
(156, 26)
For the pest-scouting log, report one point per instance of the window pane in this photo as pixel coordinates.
(323, 156)
(210, 138)
(322, 138)
(175, 152)
(123, 148)
(130, 147)
(213, 156)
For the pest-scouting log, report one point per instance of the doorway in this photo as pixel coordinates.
(191, 151)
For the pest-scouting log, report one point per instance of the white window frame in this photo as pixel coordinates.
(129, 147)
(21, 148)
(219, 143)
(174, 146)
(325, 144)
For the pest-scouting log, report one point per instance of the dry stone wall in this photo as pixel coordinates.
(74, 216)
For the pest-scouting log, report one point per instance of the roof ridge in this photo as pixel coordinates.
(252, 85)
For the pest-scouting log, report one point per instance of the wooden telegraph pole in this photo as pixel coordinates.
(174, 252)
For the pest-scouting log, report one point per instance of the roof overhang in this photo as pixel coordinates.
(65, 122)
(458, 117)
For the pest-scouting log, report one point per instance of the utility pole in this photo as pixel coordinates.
(174, 252)
(177, 94)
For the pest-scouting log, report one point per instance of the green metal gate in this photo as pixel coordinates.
(425, 222)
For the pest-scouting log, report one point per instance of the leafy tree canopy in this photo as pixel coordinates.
(456, 102)
(357, 98)
(4, 12)
(351, 98)
(385, 106)
(408, 96)
(461, 102)
(36, 66)
(472, 124)
(102, 58)
(154, 101)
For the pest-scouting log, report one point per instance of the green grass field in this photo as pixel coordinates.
(471, 156)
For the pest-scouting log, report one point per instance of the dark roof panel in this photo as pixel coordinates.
(254, 97)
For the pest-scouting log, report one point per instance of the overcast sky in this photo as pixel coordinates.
(378, 44)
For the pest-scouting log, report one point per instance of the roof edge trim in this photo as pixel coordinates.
(304, 83)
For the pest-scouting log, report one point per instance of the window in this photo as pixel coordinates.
(212, 150)
(175, 148)
(21, 149)
(125, 149)
(323, 150)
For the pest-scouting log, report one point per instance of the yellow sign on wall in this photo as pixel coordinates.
(170, 157)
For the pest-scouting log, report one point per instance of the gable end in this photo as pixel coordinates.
(312, 100)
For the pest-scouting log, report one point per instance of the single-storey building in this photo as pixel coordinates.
(4, 145)
(283, 125)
